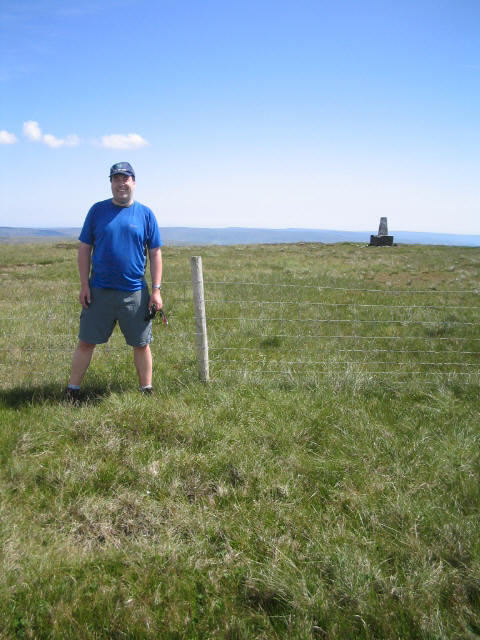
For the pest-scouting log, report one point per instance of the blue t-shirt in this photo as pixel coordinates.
(120, 237)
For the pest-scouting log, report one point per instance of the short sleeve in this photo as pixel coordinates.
(86, 234)
(154, 239)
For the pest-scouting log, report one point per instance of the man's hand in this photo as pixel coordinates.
(84, 296)
(155, 299)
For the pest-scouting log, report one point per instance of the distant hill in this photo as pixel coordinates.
(242, 235)
(27, 234)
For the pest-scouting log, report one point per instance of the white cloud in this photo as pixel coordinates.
(32, 131)
(7, 138)
(121, 141)
(70, 141)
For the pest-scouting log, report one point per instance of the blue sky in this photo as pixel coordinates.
(320, 114)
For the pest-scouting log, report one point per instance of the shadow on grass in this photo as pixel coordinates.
(18, 397)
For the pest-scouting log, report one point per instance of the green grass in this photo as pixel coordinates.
(290, 505)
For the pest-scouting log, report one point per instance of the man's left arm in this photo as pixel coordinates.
(155, 256)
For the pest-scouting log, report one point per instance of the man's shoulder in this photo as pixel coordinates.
(143, 207)
(98, 207)
(103, 204)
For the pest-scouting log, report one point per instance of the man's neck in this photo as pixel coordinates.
(121, 204)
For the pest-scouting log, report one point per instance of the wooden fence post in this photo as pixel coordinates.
(200, 318)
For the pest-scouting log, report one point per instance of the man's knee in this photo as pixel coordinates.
(142, 349)
(85, 346)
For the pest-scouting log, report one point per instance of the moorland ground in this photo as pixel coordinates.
(299, 504)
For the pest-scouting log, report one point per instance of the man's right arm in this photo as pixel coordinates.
(84, 260)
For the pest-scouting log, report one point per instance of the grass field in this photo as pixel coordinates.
(277, 501)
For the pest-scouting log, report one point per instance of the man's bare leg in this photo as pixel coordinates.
(81, 359)
(142, 357)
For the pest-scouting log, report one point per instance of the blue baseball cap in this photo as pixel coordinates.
(122, 167)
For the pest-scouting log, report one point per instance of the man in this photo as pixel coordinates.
(112, 257)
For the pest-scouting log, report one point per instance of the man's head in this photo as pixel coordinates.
(122, 179)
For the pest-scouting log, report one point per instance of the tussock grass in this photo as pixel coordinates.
(257, 506)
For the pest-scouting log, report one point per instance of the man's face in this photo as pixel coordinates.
(122, 189)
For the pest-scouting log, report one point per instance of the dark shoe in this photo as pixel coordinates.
(148, 392)
(72, 395)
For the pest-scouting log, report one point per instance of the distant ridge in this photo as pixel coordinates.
(29, 233)
(243, 235)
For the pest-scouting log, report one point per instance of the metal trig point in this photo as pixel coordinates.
(383, 239)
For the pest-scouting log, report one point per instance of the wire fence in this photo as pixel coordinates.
(292, 330)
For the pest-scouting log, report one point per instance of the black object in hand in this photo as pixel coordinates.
(151, 313)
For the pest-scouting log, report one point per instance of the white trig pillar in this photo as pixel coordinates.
(201, 338)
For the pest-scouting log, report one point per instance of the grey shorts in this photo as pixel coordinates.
(109, 306)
